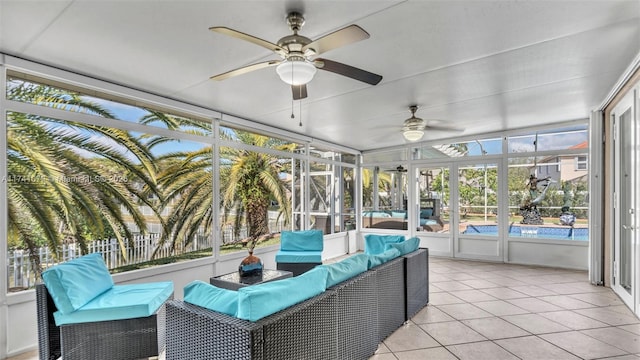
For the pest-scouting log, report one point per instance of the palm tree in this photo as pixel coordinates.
(70, 180)
(249, 180)
(186, 183)
(253, 181)
(368, 187)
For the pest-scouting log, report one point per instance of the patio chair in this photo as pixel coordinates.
(83, 315)
(300, 251)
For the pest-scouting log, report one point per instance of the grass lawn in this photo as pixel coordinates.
(224, 249)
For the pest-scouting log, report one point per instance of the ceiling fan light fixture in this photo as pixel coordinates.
(296, 72)
(413, 135)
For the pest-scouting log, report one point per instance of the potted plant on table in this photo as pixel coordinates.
(253, 181)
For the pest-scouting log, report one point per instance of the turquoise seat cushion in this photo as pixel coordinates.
(428, 222)
(211, 297)
(127, 301)
(299, 257)
(376, 214)
(345, 269)
(307, 240)
(379, 259)
(76, 282)
(405, 247)
(400, 214)
(257, 301)
(375, 244)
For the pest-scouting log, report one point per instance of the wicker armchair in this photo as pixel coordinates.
(109, 340)
(300, 251)
(83, 315)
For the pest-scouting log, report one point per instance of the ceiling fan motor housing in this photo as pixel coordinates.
(414, 123)
(295, 21)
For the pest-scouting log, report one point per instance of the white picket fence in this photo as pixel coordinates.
(22, 276)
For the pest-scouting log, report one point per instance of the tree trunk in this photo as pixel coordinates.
(257, 220)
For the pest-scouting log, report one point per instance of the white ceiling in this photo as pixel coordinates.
(483, 66)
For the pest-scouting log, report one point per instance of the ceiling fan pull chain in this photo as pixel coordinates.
(300, 112)
(292, 116)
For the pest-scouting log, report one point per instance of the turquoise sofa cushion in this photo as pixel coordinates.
(401, 214)
(299, 257)
(211, 297)
(405, 247)
(345, 269)
(307, 240)
(127, 301)
(360, 258)
(258, 301)
(379, 259)
(76, 282)
(375, 244)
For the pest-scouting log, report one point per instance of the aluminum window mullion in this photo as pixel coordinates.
(74, 116)
(216, 242)
(243, 146)
(307, 189)
(3, 219)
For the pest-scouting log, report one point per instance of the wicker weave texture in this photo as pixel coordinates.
(296, 268)
(48, 333)
(357, 317)
(417, 281)
(391, 296)
(345, 322)
(113, 340)
(195, 333)
(305, 331)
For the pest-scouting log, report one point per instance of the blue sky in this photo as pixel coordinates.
(133, 114)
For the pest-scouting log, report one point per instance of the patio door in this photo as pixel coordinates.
(479, 235)
(625, 265)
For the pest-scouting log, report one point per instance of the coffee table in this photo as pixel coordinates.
(233, 281)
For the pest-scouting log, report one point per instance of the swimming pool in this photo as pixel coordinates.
(540, 232)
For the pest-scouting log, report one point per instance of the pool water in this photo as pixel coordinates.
(540, 232)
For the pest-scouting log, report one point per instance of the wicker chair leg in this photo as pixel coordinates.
(49, 347)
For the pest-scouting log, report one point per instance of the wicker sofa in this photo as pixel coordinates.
(347, 321)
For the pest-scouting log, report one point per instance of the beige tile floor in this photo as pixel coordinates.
(480, 310)
(491, 311)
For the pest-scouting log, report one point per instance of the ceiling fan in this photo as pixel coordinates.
(397, 169)
(400, 169)
(298, 62)
(414, 127)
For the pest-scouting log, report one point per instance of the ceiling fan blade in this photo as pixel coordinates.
(245, 69)
(250, 38)
(299, 91)
(442, 128)
(336, 39)
(348, 71)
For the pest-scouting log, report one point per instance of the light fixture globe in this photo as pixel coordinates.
(413, 135)
(296, 72)
(413, 129)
